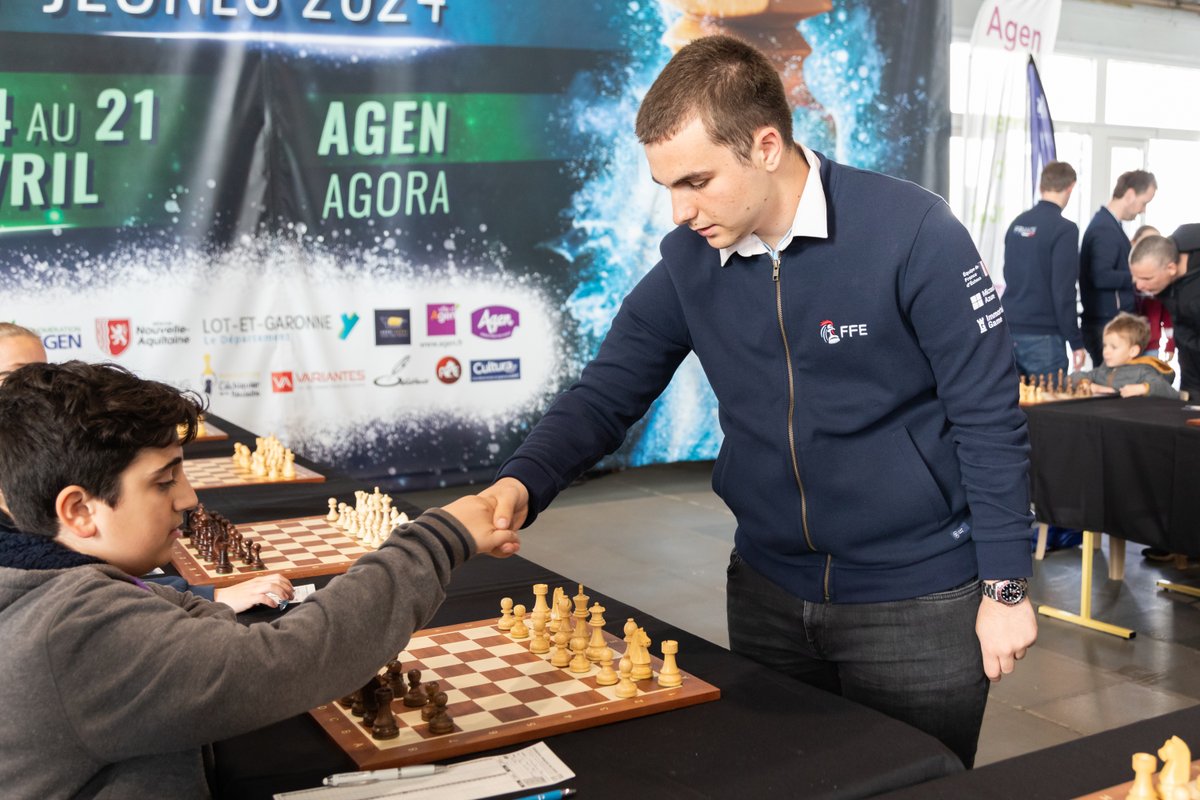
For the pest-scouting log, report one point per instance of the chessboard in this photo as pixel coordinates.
(297, 548)
(222, 472)
(1122, 790)
(207, 432)
(498, 693)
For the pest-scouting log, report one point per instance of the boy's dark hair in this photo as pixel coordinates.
(730, 86)
(1137, 179)
(1131, 327)
(1057, 176)
(1161, 250)
(80, 424)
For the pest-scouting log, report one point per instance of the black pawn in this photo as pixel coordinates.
(395, 678)
(441, 722)
(351, 700)
(370, 701)
(384, 726)
(415, 697)
(224, 567)
(431, 691)
(258, 562)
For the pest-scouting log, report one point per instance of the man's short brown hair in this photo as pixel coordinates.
(1057, 176)
(1158, 250)
(730, 86)
(1130, 327)
(1137, 179)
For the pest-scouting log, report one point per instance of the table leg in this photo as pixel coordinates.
(1116, 558)
(1084, 617)
(1182, 588)
(1043, 532)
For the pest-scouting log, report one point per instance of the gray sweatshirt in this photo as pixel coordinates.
(1143, 369)
(110, 689)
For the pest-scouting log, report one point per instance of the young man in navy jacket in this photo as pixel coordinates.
(874, 454)
(1105, 285)
(1041, 263)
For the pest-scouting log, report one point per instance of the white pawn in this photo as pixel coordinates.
(519, 631)
(669, 676)
(332, 516)
(607, 675)
(626, 688)
(289, 466)
(540, 643)
(506, 620)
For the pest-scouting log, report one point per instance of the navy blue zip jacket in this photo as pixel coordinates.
(874, 449)
(1105, 283)
(1041, 263)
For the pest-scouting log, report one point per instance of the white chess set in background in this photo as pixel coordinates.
(369, 521)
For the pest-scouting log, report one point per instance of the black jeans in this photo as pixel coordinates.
(915, 660)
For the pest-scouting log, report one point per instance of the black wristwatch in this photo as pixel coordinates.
(1009, 592)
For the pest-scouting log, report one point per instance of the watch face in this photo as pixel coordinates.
(1010, 592)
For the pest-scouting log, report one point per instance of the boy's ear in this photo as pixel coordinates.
(75, 508)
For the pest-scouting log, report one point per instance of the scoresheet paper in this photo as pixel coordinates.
(530, 768)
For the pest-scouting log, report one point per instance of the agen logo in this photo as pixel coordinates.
(449, 370)
(494, 322)
(113, 335)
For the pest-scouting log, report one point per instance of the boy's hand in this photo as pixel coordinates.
(1135, 390)
(1099, 388)
(511, 501)
(475, 513)
(267, 590)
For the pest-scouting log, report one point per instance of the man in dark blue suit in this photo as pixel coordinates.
(1105, 285)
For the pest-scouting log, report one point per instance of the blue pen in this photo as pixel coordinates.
(557, 794)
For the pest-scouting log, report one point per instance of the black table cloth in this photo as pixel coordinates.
(1064, 771)
(1126, 467)
(767, 735)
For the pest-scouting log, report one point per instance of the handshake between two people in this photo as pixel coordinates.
(494, 516)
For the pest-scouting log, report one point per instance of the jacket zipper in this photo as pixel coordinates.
(791, 433)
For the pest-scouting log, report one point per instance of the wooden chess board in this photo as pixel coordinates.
(1121, 791)
(499, 694)
(222, 472)
(207, 432)
(297, 548)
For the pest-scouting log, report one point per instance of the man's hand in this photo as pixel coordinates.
(511, 500)
(1005, 633)
(476, 512)
(1077, 359)
(267, 590)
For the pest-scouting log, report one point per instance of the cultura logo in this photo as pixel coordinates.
(828, 333)
(282, 382)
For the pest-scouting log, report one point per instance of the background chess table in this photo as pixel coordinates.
(298, 548)
(218, 473)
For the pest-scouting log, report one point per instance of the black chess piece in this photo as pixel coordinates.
(248, 551)
(258, 562)
(224, 567)
(352, 699)
(370, 701)
(441, 723)
(415, 697)
(431, 691)
(356, 703)
(384, 726)
(395, 677)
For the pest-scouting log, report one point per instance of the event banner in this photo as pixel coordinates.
(392, 231)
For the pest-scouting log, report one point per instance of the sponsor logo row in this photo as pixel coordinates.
(448, 370)
(393, 326)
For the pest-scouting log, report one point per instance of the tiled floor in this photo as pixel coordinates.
(658, 538)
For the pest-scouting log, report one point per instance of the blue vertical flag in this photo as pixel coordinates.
(1041, 127)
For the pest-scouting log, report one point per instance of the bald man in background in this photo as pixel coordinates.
(18, 347)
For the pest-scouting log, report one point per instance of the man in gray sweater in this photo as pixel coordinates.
(112, 686)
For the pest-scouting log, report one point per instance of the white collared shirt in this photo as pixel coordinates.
(811, 219)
